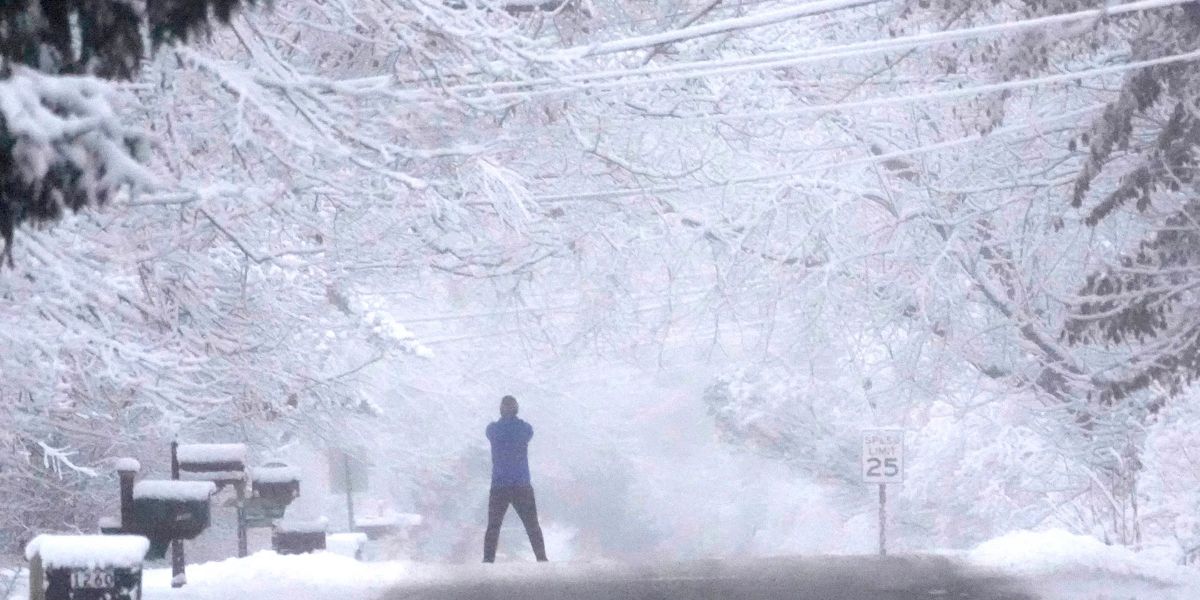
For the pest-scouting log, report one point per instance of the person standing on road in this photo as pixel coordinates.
(510, 480)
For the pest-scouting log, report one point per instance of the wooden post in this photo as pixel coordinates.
(883, 519)
(243, 545)
(178, 565)
(178, 562)
(127, 480)
(349, 490)
(37, 578)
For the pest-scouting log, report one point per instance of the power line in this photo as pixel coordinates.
(647, 75)
(619, 78)
(879, 158)
(762, 19)
(688, 70)
(726, 8)
(572, 54)
(945, 94)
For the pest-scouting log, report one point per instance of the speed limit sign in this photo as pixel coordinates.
(883, 456)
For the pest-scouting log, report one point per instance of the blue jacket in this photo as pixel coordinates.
(510, 451)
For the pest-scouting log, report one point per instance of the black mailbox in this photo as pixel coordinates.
(86, 567)
(166, 510)
(222, 464)
(111, 526)
(276, 482)
(385, 525)
(207, 458)
(377, 531)
(299, 537)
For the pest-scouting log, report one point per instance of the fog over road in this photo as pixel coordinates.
(815, 578)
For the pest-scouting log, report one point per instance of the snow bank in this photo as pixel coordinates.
(283, 474)
(1060, 553)
(166, 489)
(269, 576)
(211, 453)
(88, 551)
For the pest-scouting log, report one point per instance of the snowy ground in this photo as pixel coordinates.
(1052, 565)
(322, 576)
(1060, 565)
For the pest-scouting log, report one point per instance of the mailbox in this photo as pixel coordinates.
(276, 482)
(165, 510)
(111, 526)
(299, 537)
(222, 464)
(353, 545)
(383, 526)
(207, 458)
(86, 567)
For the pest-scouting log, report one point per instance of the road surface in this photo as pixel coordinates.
(822, 578)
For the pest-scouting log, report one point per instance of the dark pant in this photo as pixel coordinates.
(521, 497)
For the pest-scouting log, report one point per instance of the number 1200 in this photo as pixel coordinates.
(889, 466)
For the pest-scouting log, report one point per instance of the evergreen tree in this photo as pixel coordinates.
(60, 146)
(1142, 153)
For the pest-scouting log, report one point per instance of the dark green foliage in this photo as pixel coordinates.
(1146, 303)
(179, 20)
(38, 33)
(1170, 165)
(102, 38)
(1149, 300)
(39, 200)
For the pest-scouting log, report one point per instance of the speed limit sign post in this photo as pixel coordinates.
(883, 463)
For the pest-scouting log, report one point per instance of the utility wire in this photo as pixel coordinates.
(978, 90)
(876, 159)
(751, 21)
(689, 70)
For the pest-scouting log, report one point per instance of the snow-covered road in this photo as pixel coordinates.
(1047, 565)
(824, 578)
(266, 576)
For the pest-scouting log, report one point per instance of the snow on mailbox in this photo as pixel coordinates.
(86, 567)
(219, 463)
(166, 510)
(276, 481)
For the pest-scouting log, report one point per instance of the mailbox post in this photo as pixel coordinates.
(86, 567)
